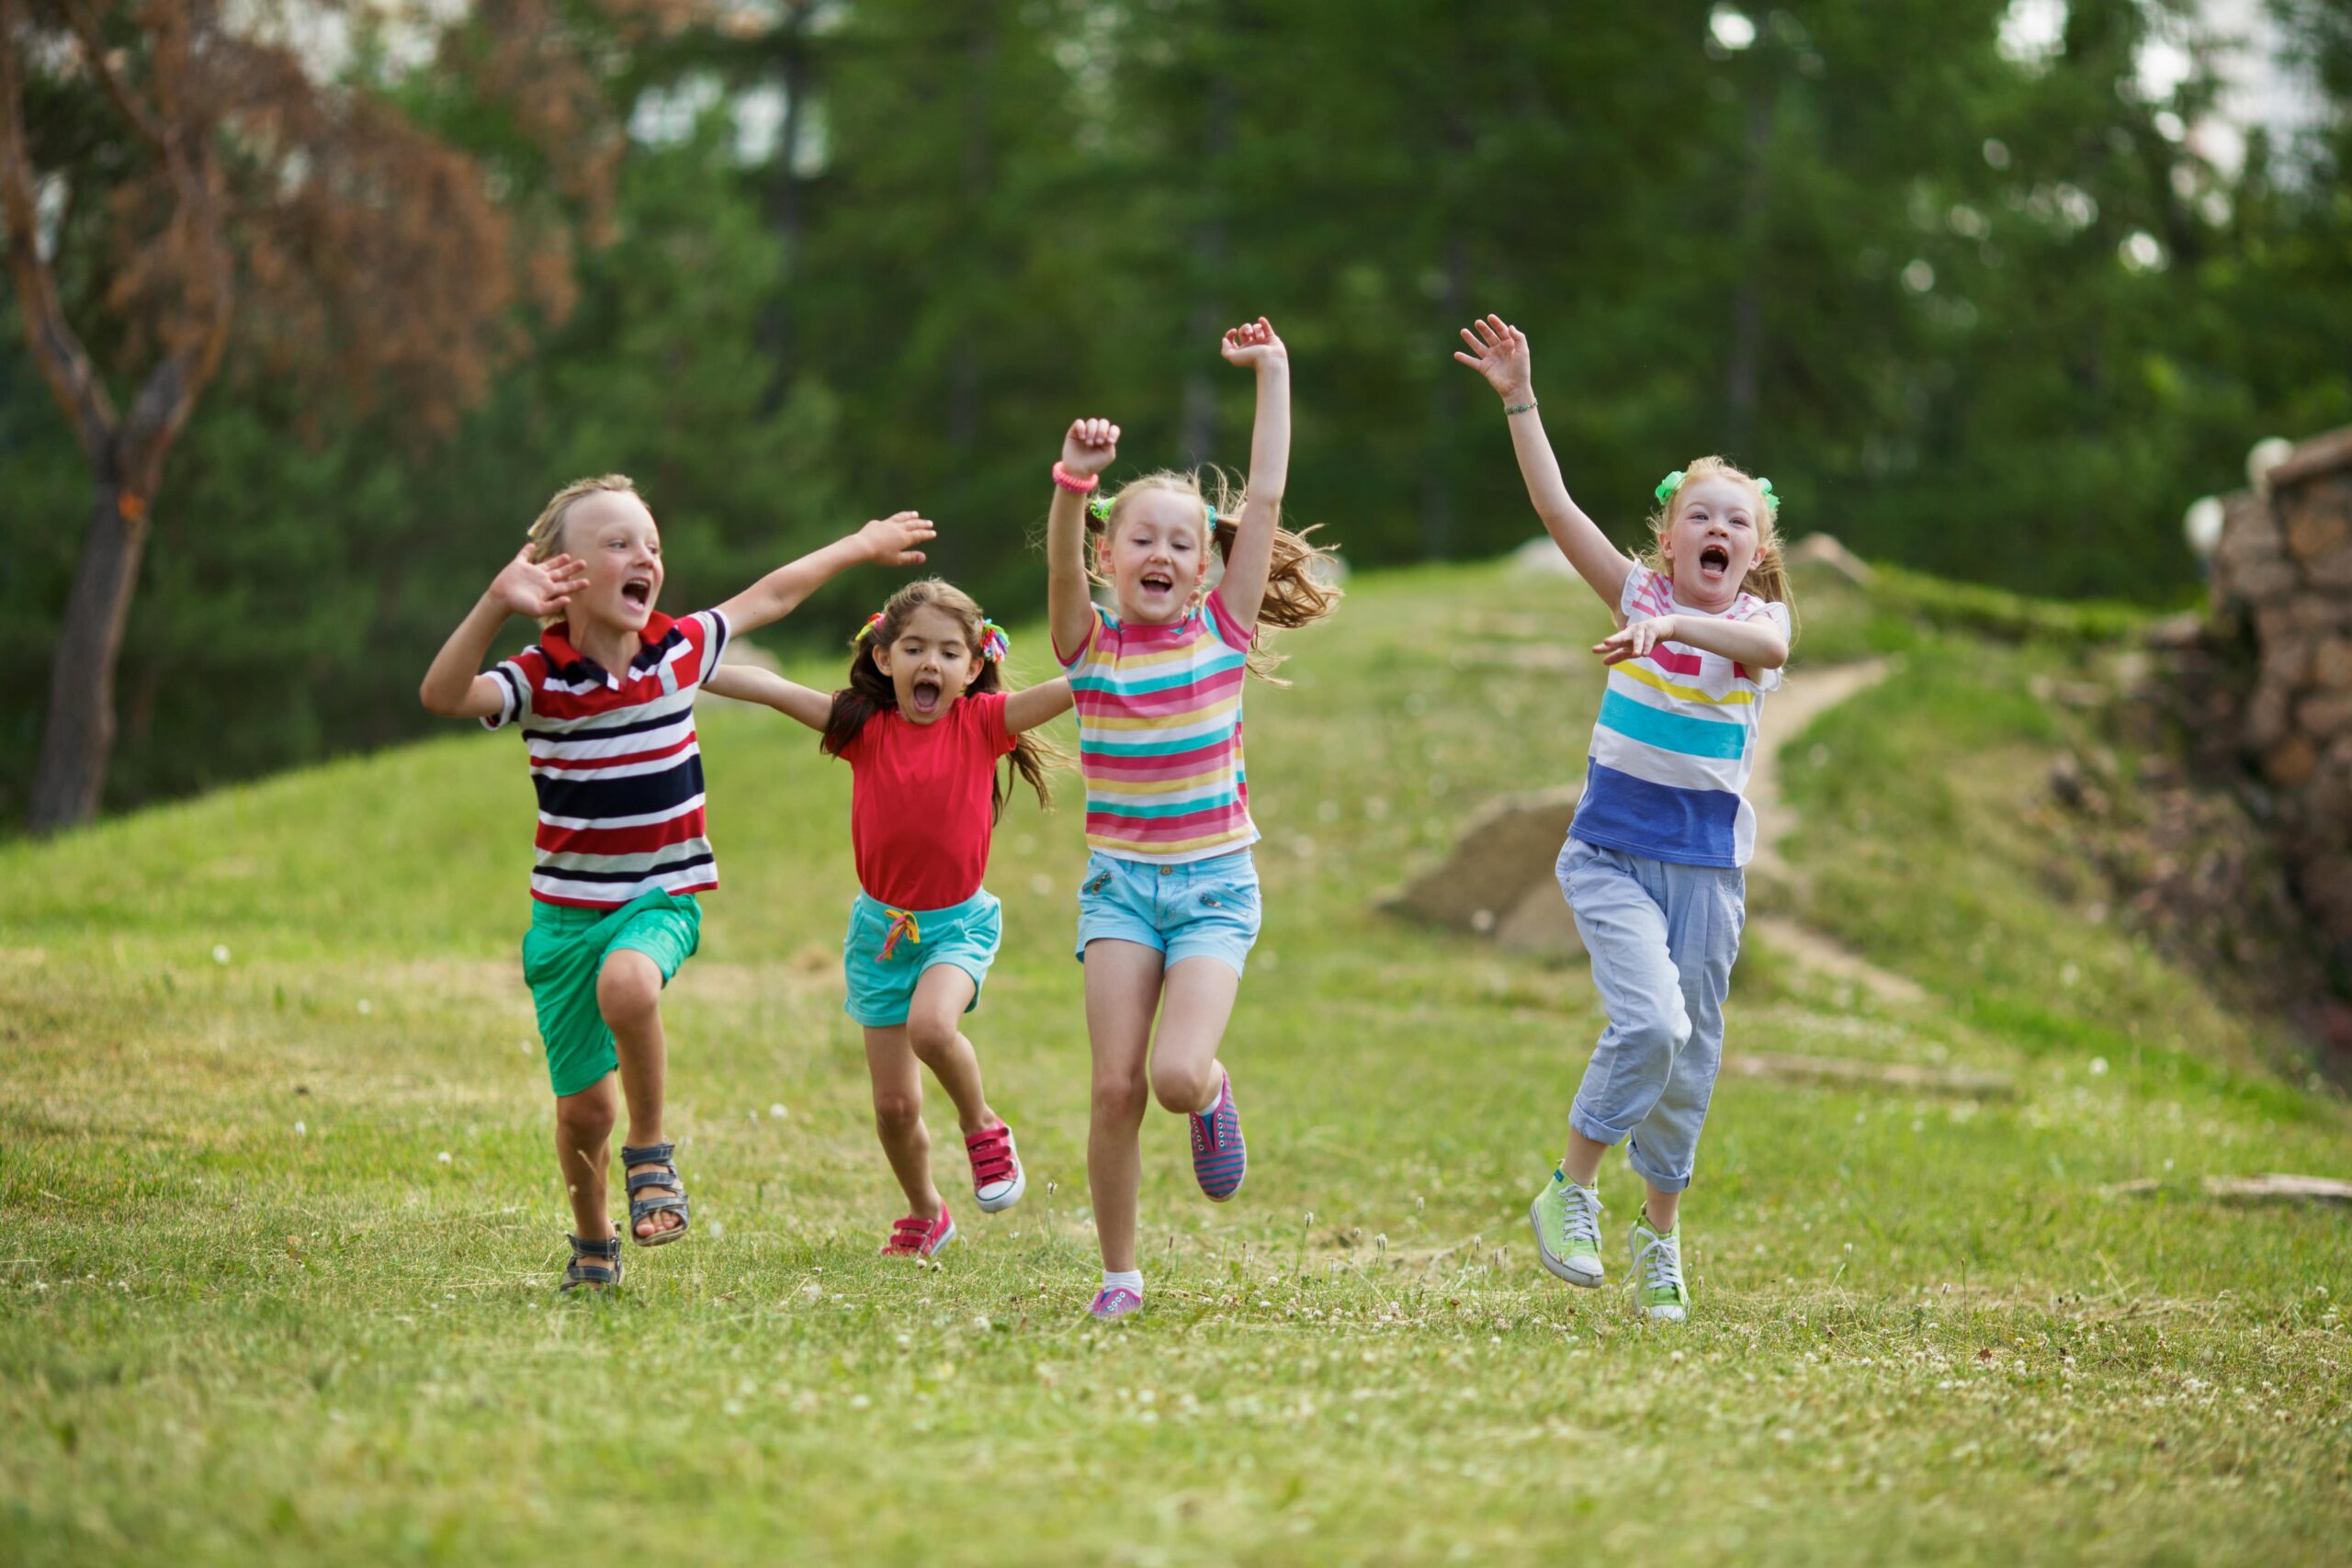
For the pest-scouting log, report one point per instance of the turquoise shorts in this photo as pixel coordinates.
(1203, 909)
(888, 950)
(564, 951)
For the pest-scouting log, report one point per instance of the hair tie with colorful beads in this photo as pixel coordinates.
(873, 624)
(994, 644)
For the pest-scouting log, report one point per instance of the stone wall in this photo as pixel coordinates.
(2282, 600)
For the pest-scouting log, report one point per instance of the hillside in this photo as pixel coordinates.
(272, 1152)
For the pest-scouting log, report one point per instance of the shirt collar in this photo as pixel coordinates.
(573, 665)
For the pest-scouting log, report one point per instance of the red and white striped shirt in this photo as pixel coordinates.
(614, 762)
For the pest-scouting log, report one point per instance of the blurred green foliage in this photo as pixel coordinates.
(1987, 316)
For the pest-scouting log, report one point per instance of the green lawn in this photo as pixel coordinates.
(273, 1158)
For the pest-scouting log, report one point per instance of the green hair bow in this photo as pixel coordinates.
(1669, 485)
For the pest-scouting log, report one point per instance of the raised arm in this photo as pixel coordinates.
(895, 540)
(750, 683)
(455, 687)
(1087, 450)
(1243, 587)
(1498, 351)
(1034, 705)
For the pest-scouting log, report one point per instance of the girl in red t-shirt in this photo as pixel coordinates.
(922, 725)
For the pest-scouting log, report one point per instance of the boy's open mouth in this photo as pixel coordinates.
(1715, 558)
(638, 592)
(924, 697)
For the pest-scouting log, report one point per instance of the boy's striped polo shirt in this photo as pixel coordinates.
(1160, 736)
(614, 762)
(1676, 741)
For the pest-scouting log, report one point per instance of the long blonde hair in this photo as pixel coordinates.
(1298, 594)
(547, 530)
(1768, 574)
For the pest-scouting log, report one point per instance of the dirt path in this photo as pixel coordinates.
(1787, 715)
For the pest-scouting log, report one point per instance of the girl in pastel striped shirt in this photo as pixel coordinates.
(1168, 908)
(1652, 862)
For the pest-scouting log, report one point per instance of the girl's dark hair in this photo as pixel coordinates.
(869, 691)
(1299, 588)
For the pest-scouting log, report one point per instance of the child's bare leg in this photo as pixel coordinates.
(1582, 1162)
(584, 1137)
(1122, 993)
(897, 1117)
(940, 999)
(1662, 1209)
(628, 993)
(1185, 1073)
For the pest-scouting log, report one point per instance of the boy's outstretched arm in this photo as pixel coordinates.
(1243, 587)
(750, 683)
(1498, 351)
(1087, 450)
(1034, 705)
(895, 540)
(456, 687)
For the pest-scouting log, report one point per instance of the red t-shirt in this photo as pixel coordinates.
(918, 808)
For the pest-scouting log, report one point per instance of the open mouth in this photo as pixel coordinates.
(1158, 582)
(924, 697)
(1715, 558)
(638, 592)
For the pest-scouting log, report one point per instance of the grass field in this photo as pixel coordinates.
(283, 1221)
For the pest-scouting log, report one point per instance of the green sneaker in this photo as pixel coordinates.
(1567, 1230)
(1658, 1271)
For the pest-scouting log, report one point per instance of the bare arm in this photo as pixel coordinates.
(455, 687)
(1087, 450)
(1499, 351)
(1756, 644)
(749, 684)
(1243, 587)
(895, 540)
(1034, 705)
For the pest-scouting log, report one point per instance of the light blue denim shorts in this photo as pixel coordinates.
(1204, 908)
(888, 950)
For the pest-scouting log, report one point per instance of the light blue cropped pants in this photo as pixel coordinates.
(1663, 937)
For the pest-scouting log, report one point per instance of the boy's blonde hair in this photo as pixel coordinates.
(1768, 574)
(1298, 591)
(546, 531)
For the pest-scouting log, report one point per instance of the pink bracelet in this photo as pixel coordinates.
(1072, 483)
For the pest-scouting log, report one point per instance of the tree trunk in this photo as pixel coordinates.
(1746, 304)
(77, 733)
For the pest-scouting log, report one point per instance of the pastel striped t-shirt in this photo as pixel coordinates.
(1160, 736)
(1676, 741)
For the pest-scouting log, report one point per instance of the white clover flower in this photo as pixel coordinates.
(219, 953)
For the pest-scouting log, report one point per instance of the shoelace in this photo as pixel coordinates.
(1580, 1217)
(1661, 1264)
(993, 1155)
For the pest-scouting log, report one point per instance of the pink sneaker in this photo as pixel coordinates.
(912, 1238)
(996, 1179)
(1110, 1305)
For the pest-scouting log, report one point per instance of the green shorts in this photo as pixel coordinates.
(565, 951)
(887, 952)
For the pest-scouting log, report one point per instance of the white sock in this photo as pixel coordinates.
(1123, 1279)
(1216, 1097)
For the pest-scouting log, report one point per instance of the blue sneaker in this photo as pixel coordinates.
(1220, 1159)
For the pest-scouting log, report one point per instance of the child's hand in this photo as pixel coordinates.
(892, 540)
(537, 588)
(1089, 446)
(1254, 345)
(1498, 351)
(1636, 639)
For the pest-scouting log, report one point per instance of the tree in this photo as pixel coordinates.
(196, 166)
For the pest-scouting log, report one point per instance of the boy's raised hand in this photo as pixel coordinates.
(1253, 346)
(1089, 446)
(896, 540)
(1498, 351)
(527, 587)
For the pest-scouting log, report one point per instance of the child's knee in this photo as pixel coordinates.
(587, 1117)
(629, 990)
(1181, 1089)
(897, 1112)
(930, 1035)
(1121, 1096)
